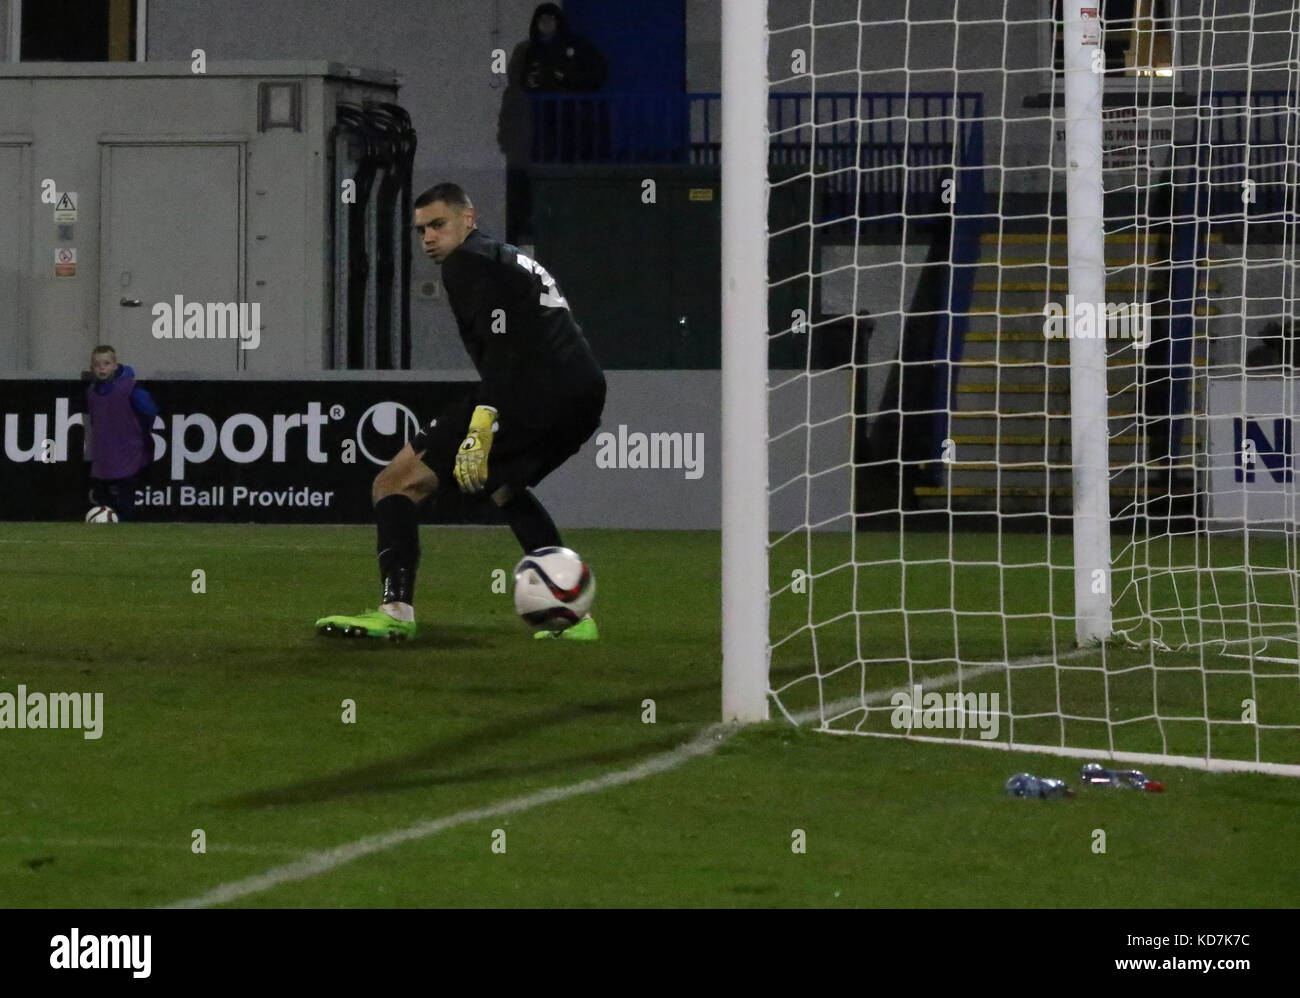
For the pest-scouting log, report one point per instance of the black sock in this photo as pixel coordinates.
(531, 523)
(399, 547)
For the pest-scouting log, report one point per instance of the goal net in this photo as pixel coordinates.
(1031, 322)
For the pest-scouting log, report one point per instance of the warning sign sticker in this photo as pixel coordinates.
(1091, 26)
(66, 209)
(65, 262)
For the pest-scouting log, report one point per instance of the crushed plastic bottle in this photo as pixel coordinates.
(1029, 785)
(1096, 775)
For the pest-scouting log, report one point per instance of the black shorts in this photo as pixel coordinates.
(522, 454)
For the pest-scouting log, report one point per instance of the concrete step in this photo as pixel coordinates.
(1056, 364)
(1113, 287)
(1042, 440)
(982, 395)
(1035, 335)
(1112, 239)
(1113, 260)
(984, 308)
(1122, 491)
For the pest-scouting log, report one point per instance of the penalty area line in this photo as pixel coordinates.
(316, 863)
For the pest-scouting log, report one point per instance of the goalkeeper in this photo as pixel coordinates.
(540, 398)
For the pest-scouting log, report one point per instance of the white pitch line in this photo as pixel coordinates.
(321, 862)
(702, 744)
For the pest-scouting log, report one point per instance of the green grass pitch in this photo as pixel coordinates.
(223, 712)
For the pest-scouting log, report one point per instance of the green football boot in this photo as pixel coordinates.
(583, 630)
(371, 624)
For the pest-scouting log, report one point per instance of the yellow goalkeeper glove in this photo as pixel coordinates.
(471, 469)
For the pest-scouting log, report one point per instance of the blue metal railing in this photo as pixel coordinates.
(876, 154)
(1246, 137)
(611, 128)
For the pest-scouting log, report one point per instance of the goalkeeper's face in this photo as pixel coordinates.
(441, 228)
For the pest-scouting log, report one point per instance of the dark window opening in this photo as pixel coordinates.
(78, 31)
(1137, 37)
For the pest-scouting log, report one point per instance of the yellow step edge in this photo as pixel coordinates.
(1039, 440)
(1029, 491)
(1027, 287)
(1060, 261)
(1039, 414)
(1129, 440)
(1013, 311)
(1033, 238)
(1038, 388)
(1023, 336)
(1026, 466)
(1014, 439)
(991, 388)
(1018, 336)
(972, 490)
(1113, 363)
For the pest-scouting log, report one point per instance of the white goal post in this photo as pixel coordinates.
(744, 362)
(1086, 240)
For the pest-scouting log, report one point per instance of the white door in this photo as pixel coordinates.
(171, 226)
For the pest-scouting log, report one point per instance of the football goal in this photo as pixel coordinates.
(1010, 374)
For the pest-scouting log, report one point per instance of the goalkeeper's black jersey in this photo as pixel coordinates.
(518, 329)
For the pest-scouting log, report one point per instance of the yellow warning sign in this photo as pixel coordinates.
(701, 194)
(66, 209)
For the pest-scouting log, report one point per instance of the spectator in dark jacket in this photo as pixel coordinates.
(554, 60)
(557, 58)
